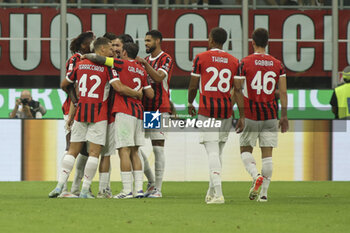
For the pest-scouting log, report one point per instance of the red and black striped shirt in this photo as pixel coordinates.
(93, 83)
(160, 101)
(261, 73)
(134, 76)
(70, 65)
(216, 69)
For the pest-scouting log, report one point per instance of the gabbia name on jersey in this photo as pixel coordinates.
(261, 73)
(93, 83)
(134, 76)
(216, 69)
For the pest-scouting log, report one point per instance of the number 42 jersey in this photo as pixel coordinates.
(216, 70)
(261, 73)
(93, 83)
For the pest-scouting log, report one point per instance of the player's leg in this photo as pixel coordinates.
(266, 172)
(78, 136)
(137, 171)
(148, 172)
(125, 173)
(65, 186)
(267, 141)
(96, 136)
(90, 169)
(247, 141)
(66, 168)
(124, 128)
(104, 169)
(210, 139)
(158, 150)
(79, 169)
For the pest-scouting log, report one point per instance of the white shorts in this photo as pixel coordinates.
(109, 148)
(266, 131)
(158, 134)
(128, 131)
(217, 134)
(92, 132)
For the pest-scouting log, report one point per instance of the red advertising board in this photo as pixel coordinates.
(41, 57)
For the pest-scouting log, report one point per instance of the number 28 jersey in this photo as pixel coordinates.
(216, 69)
(261, 73)
(93, 83)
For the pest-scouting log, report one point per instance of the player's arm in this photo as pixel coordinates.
(156, 75)
(125, 90)
(71, 114)
(149, 93)
(237, 97)
(192, 92)
(282, 86)
(68, 86)
(101, 60)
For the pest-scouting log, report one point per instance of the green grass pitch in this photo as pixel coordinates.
(292, 207)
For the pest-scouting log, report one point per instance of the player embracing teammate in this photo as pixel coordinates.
(90, 122)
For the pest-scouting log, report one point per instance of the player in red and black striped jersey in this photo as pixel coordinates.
(159, 66)
(129, 132)
(213, 72)
(79, 46)
(91, 116)
(261, 73)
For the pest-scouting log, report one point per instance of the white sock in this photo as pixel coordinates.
(138, 177)
(159, 165)
(146, 167)
(67, 166)
(249, 164)
(109, 178)
(221, 149)
(79, 172)
(65, 186)
(214, 166)
(266, 172)
(127, 181)
(103, 181)
(90, 171)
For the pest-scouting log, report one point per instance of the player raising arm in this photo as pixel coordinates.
(213, 72)
(262, 73)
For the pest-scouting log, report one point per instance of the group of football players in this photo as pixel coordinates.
(109, 87)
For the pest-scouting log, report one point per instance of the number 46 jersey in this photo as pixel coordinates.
(216, 70)
(261, 73)
(93, 83)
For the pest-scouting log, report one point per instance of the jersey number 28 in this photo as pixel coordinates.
(224, 80)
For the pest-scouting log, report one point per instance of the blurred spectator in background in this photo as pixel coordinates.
(340, 100)
(26, 107)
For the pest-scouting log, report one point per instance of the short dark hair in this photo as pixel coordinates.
(155, 34)
(132, 49)
(125, 38)
(75, 44)
(219, 35)
(110, 35)
(101, 41)
(260, 37)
